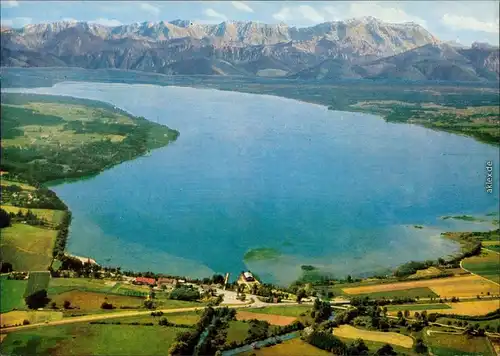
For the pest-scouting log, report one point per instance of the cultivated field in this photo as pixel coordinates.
(458, 286)
(293, 347)
(17, 317)
(351, 332)
(457, 344)
(492, 245)
(61, 285)
(28, 248)
(237, 331)
(282, 310)
(186, 318)
(37, 281)
(11, 295)
(53, 217)
(86, 339)
(270, 318)
(88, 301)
(417, 307)
(487, 265)
(6, 182)
(479, 307)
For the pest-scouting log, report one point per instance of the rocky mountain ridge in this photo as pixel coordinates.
(356, 48)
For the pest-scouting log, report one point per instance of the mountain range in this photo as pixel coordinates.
(356, 48)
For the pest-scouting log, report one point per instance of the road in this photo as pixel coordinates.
(94, 317)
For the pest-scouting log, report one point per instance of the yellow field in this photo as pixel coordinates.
(458, 286)
(490, 243)
(17, 317)
(351, 332)
(22, 185)
(270, 318)
(74, 112)
(86, 301)
(479, 307)
(52, 216)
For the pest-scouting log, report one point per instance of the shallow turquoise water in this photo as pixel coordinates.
(340, 191)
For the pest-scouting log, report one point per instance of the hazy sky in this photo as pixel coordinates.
(463, 21)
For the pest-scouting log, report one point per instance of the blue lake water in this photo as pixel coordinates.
(340, 191)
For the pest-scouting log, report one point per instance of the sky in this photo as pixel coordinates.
(461, 21)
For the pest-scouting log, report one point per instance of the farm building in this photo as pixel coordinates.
(247, 279)
(167, 282)
(145, 281)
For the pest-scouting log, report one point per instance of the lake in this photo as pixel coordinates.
(270, 184)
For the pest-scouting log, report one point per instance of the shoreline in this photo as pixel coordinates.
(92, 175)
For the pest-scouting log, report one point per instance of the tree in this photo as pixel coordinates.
(37, 300)
(301, 293)
(6, 267)
(149, 304)
(163, 322)
(185, 293)
(400, 314)
(386, 350)
(67, 304)
(4, 219)
(106, 305)
(407, 313)
(53, 305)
(420, 347)
(358, 348)
(432, 317)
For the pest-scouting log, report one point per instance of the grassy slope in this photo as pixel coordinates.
(27, 247)
(485, 265)
(449, 344)
(12, 294)
(86, 339)
(282, 310)
(237, 331)
(52, 216)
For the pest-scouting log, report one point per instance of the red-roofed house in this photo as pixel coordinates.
(144, 280)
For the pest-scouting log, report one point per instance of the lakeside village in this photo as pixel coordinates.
(412, 311)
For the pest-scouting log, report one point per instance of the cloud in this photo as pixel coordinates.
(16, 22)
(383, 13)
(241, 6)
(469, 23)
(150, 8)
(309, 13)
(9, 4)
(107, 22)
(215, 14)
(285, 14)
(299, 14)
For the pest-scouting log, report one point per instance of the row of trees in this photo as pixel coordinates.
(214, 322)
